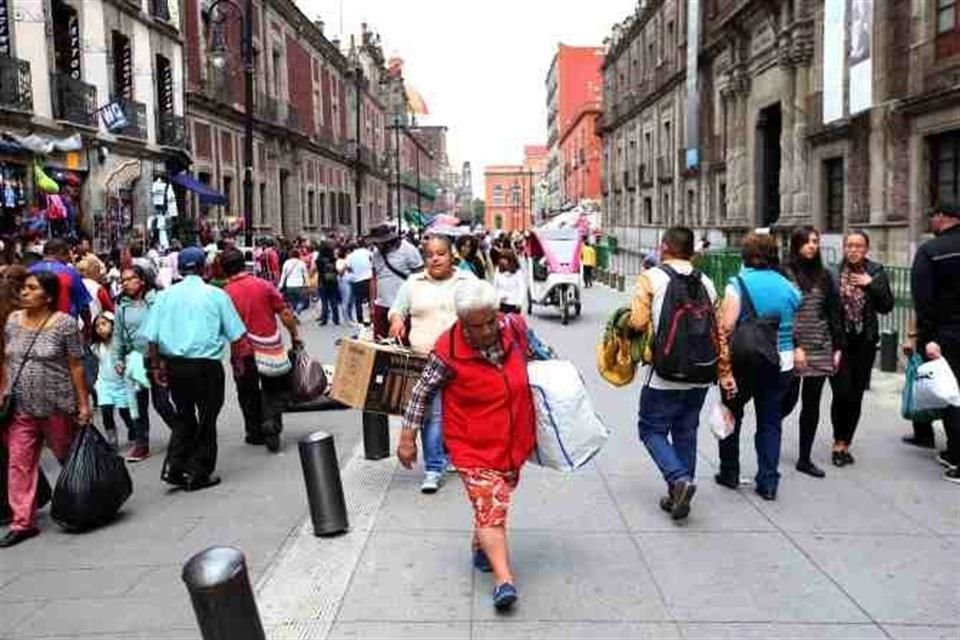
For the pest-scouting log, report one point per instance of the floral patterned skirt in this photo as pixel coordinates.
(489, 492)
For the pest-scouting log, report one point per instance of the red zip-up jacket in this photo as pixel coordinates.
(488, 415)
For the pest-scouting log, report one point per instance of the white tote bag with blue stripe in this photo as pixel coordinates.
(569, 432)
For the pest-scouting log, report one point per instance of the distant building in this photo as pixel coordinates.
(573, 82)
(535, 160)
(509, 193)
(782, 118)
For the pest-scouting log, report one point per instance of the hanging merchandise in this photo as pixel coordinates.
(45, 183)
(55, 208)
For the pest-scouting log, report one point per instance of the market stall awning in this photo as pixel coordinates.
(208, 195)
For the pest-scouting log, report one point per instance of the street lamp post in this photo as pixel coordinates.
(358, 171)
(219, 60)
(396, 129)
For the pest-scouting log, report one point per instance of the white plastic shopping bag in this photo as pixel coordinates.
(716, 414)
(569, 432)
(935, 386)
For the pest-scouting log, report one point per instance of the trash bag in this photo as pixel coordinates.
(935, 386)
(93, 484)
(908, 399)
(309, 378)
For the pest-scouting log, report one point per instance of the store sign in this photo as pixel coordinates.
(113, 116)
(73, 32)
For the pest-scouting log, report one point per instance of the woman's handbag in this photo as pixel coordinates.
(7, 405)
(270, 355)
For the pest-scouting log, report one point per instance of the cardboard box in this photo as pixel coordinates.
(376, 377)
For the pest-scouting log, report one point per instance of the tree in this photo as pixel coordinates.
(479, 211)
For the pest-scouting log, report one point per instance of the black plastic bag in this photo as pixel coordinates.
(93, 484)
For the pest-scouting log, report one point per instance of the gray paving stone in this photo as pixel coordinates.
(714, 508)
(108, 618)
(415, 576)
(832, 505)
(71, 584)
(507, 630)
(162, 583)
(551, 501)
(897, 579)
(570, 577)
(406, 508)
(12, 614)
(922, 632)
(742, 577)
(400, 630)
(929, 501)
(772, 631)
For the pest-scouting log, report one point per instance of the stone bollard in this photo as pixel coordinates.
(223, 602)
(321, 474)
(621, 282)
(376, 436)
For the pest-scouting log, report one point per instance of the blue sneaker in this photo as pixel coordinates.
(504, 596)
(481, 562)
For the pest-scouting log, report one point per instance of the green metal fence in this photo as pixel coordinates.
(721, 266)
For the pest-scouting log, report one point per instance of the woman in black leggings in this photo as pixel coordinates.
(818, 333)
(864, 293)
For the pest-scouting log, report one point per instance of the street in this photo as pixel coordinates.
(872, 551)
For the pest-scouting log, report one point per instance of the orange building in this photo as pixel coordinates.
(581, 155)
(509, 194)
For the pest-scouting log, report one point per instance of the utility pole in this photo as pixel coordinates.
(248, 124)
(417, 147)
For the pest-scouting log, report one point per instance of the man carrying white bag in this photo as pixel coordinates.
(569, 432)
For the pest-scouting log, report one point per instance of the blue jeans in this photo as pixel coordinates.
(675, 413)
(298, 298)
(766, 388)
(434, 457)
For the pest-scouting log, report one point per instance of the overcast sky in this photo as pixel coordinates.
(480, 66)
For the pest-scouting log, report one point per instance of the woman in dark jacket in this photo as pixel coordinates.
(864, 293)
(818, 333)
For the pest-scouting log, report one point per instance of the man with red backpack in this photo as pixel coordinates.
(674, 304)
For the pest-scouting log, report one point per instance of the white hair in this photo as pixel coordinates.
(475, 295)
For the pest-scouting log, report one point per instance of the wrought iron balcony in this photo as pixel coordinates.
(266, 108)
(665, 167)
(74, 100)
(160, 10)
(136, 114)
(628, 181)
(16, 90)
(171, 130)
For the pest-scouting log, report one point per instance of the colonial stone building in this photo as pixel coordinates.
(309, 163)
(836, 114)
(91, 91)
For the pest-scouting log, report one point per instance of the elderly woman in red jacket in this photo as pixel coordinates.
(488, 418)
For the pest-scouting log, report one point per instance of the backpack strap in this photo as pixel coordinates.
(745, 296)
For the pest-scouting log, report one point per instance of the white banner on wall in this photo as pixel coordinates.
(692, 129)
(834, 26)
(860, 55)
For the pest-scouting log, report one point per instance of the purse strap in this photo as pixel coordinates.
(745, 295)
(26, 355)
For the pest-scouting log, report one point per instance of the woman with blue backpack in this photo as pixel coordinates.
(757, 316)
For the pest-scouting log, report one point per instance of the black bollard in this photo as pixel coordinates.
(621, 282)
(889, 346)
(376, 436)
(321, 474)
(219, 588)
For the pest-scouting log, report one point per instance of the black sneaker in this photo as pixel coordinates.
(666, 504)
(730, 482)
(944, 459)
(273, 442)
(923, 443)
(681, 493)
(952, 475)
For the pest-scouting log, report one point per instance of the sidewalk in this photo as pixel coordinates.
(872, 551)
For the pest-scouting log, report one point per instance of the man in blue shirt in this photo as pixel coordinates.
(187, 331)
(74, 298)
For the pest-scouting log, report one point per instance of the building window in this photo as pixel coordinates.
(122, 58)
(263, 203)
(164, 85)
(945, 169)
(692, 206)
(228, 194)
(323, 210)
(946, 16)
(833, 177)
(722, 197)
(497, 194)
(311, 210)
(204, 209)
(948, 28)
(648, 211)
(276, 58)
